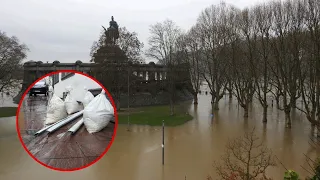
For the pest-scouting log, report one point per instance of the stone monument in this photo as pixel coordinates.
(110, 52)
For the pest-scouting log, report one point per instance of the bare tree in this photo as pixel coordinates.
(163, 47)
(296, 12)
(243, 61)
(195, 59)
(283, 65)
(263, 21)
(309, 56)
(12, 52)
(213, 38)
(233, 40)
(245, 158)
(189, 51)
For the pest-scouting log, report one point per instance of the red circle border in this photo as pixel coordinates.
(114, 130)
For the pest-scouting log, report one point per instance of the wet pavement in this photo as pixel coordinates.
(60, 149)
(190, 149)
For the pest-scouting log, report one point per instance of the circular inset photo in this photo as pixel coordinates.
(66, 120)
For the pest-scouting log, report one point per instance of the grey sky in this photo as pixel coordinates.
(65, 29)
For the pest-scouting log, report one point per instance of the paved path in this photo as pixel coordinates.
(61, 149)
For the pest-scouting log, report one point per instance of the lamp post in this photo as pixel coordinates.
(128, 98)
(162, 142)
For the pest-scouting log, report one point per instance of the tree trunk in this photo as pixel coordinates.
(212, 99)
(216, 105)
(312, 130)
(293, 102)
(195, 98)
(312, 118)
(171, 107)
(230, 91)
(318, 131)
(246, 111)
(118, 104)
(277, 101)
(287, 116)
(265, 111)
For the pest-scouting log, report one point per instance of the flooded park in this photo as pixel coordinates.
(190, 149)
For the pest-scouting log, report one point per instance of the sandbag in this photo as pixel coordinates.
(98, 113)
(88, 97)
(50, 89)
(70, 102)
(50, 92)
(48, 80)
(56, 110)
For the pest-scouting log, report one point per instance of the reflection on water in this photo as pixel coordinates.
(190, 149)
(7, 100)
(7, 126)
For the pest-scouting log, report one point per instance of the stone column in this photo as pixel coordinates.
(144, 75)
(158, 75)
(37, 72)
(151, 75)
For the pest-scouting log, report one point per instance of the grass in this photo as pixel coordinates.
(7, 111)
(153, 116)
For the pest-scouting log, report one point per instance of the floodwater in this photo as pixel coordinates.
(190, 149)
(7, 100)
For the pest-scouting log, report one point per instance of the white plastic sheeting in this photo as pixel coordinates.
(70, 102)
(56, 110)
(98, 113)
(88, 97)
(76, 82)
(50, 92)
(50, 89)
(48, 80)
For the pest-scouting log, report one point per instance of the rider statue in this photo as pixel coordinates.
(112, 34)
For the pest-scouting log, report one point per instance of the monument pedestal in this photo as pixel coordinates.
(110, 54)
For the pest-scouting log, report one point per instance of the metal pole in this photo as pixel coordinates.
(128, 98)
(162, 142)
(76, 127)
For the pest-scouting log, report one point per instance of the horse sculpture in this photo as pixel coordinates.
(112, 33)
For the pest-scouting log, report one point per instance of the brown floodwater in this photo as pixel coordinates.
(190, 149)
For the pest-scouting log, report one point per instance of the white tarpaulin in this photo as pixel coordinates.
(70, 102)
(50, 89)
(50, 92)
(48, 81)
(88, 97)
(98, 113)
(56, 110)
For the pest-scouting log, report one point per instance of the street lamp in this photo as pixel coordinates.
(128, 98)
(162, 142)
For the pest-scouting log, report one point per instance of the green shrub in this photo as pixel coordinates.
(291, 175)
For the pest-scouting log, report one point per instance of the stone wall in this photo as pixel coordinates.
(146, 99)
(150, 80)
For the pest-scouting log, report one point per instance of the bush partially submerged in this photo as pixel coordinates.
(245, 158)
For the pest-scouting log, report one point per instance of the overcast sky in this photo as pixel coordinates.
(65, 29)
